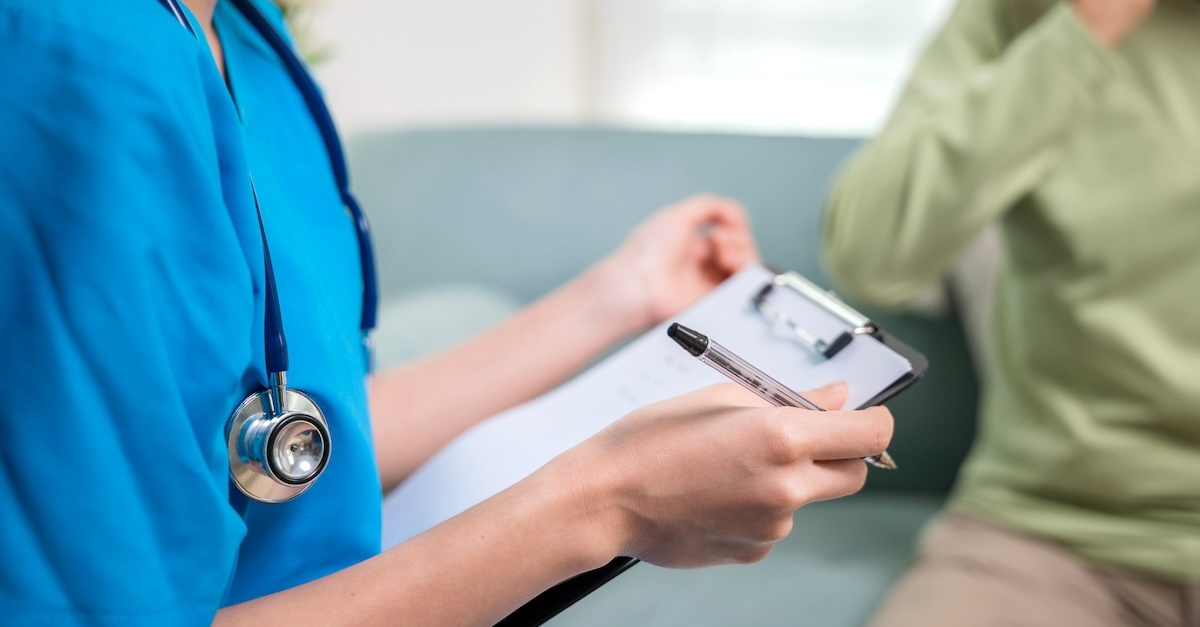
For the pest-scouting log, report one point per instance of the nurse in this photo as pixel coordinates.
(150, 155)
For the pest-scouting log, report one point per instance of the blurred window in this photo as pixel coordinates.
(771, 66)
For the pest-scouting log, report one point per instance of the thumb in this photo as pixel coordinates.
(830, 397)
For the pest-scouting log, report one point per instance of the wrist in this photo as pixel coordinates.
(585, 498)
(618, 296)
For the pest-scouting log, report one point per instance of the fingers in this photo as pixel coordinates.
(838, 434)
(813, 482)
(756, 466)
(832, 479)
(732, 248)
(708, 209)
(793, 433)
(726, 227)
(728, 394)
(830, 397)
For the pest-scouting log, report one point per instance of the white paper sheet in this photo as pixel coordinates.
(504, 449)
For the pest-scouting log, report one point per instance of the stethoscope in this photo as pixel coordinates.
(278, 439)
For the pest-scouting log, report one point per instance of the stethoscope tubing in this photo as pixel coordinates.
(274, 338)
(333, 147)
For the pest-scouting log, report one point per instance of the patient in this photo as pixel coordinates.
(1075, 127)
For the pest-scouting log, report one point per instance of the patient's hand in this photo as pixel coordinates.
(1111, 21)
(679, 254)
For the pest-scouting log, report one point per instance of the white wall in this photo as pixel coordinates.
(422, 62)
(772, 66)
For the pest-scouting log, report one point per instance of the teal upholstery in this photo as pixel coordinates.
(515, 212)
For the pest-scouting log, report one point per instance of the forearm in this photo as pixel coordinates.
(710, 477)
(962, 147)
(473, 569)
(418, 408)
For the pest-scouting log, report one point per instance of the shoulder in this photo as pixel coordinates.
(1017, 16)
(89, 68)
(140, 28)
(1003, 19)
(107, 109)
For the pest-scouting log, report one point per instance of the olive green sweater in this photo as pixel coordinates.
(1090, 161)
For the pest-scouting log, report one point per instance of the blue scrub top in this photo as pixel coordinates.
(131, 274)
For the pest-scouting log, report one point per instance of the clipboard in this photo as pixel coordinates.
(562, 596)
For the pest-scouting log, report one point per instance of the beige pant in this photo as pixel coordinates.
(972, 573)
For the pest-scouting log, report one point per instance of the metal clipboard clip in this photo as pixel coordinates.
(856, 323)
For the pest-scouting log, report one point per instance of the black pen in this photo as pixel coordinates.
(753, 379)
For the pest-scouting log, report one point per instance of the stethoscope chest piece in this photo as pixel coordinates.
(277, 449)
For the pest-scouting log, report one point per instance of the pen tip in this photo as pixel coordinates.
(884, 461)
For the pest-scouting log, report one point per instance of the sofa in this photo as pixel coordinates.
(471, 223)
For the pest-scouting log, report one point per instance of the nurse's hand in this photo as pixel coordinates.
(713, 477)
(676, 256)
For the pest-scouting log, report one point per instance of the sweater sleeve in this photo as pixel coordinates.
(981, 122)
